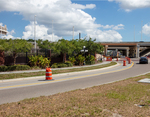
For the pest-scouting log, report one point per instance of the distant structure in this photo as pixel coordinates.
(3, 30)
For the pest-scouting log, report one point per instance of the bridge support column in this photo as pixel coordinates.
(137, 51)
(127, 52)
(105, 51)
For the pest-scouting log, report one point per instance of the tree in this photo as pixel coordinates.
(78, 45)
(94, 47)
(45, 44)
(18, 45)
(65, 47)
(3, 45)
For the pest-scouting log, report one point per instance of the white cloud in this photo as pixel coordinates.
(105, 36)
(11, 32)
(129, 5)
(146, 29)
(40, 32)
(79, 6)
(64, 14)
(118, 27)
(9, 35)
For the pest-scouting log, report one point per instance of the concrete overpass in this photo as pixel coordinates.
(129, 49)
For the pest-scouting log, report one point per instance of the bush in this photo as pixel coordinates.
(90, 62)
(22, 67)
(33, 60)
(72, 59)
(80, 59)
(3, 68)
(61, 65)
(54, 65)
(41, 61)
(69, 64)
(14, 67)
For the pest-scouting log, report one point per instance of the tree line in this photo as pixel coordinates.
(62, 46)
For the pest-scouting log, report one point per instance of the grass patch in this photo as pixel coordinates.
(22, 75)
(115, 99)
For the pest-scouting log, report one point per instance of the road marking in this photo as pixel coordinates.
(51, 81)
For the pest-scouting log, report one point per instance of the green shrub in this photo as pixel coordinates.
(69, 64)
(40, 61)
(54, 65)
(61, 65)
(3, 68)
(14, 67)
(22, 67)
(33, 60)
(80, 59)
(43, 62)
(72, 59)
(90, 58)
(90, 62)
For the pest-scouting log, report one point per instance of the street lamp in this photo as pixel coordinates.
(34, 33)
(141, 30)
(84, 52)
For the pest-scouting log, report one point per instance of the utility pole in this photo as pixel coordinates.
(134, 33)
(34, 33)
(141, 30)
(52, 30)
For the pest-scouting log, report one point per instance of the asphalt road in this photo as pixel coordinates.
(18, 90)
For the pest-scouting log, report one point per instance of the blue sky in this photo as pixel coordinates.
(105, 20)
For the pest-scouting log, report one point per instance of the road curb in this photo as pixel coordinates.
(36, 77)
(27, 71)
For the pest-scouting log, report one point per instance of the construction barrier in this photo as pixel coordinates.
(129, 61)
(124, 63)
(109, 59)
(48, 74)
(117, 59)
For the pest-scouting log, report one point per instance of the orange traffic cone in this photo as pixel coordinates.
(48, 74)
(124, 63)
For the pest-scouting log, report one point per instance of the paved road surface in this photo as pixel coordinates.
(18, 90)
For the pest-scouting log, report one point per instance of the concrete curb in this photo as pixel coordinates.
(29, 71)
(36, 77)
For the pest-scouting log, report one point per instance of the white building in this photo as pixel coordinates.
(3, 30)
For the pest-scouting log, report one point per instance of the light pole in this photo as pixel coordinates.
(52, 30)
(141, 30)
(84, 52)
(34, 33)
(134, 33)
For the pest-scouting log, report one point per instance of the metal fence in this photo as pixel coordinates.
(22, 58)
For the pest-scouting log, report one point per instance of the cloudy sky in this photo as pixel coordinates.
(105, 20)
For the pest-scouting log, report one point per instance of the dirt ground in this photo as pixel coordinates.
(126, 98)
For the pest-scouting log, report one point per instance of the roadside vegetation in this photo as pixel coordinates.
(70, 48)
(126, 98)
(22, 75)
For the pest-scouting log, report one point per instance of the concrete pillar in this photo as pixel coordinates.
(105, 51)
(137, 51)
(127, 52)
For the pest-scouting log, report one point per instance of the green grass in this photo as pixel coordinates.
(119, 98)
(23, 75)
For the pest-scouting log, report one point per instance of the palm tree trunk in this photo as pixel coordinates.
(64, 57)
(14, 56)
